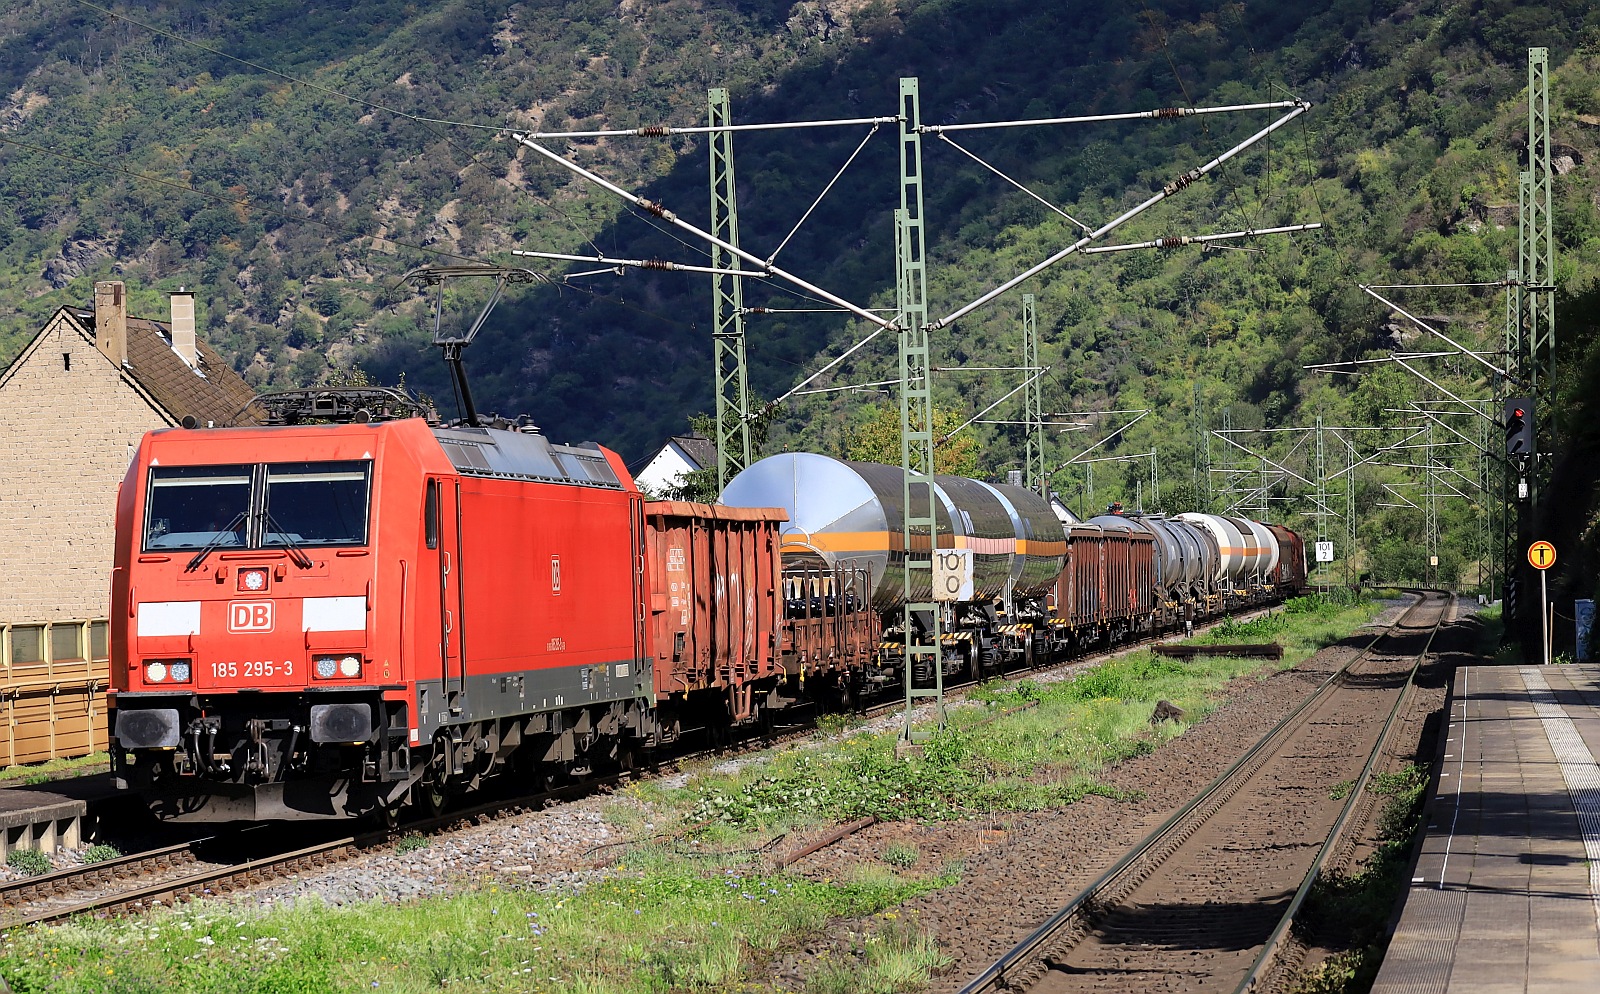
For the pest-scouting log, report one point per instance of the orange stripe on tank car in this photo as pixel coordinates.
(878, 541)
(992, 546)
(840, 542)
(1035, 547)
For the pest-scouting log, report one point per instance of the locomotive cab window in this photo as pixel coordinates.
(315, 504)
(189, 507)
(272, 506)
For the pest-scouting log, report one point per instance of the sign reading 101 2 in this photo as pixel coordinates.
(952, 575)
(1324, 552)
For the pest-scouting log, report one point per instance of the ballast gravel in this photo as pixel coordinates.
(555, 848)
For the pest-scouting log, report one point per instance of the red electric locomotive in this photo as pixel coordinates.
(309, 621)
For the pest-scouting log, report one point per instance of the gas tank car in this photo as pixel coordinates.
(848, 515)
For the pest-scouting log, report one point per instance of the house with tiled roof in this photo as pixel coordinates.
(680, 456)
(73, 405)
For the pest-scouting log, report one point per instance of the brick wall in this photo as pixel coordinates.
(67, 434)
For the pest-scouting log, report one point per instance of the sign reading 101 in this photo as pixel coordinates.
(952, 575)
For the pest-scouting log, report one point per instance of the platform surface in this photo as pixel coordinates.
(1503, 898)
(67, 797)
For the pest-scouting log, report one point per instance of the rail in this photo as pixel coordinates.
(1262, 967)
(1172, 832)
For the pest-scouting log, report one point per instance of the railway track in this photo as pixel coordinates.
(1207, 900)
(186, 871)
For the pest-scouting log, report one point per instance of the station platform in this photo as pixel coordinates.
(1505, 896)
(52, 815)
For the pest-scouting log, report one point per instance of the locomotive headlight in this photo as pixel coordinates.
(350, 666)
(155, 672)
(179, 671)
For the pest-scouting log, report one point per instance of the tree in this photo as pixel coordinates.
(874, 436)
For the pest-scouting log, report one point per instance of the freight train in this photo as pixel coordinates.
(336, 621)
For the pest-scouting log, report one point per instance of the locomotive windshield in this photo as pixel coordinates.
(316, 504)
(277, 505)
(194, 506)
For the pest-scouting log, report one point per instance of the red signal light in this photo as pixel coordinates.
(1518, 412)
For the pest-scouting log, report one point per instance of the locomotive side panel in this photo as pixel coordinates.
(538, 597)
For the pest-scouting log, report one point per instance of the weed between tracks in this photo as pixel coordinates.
(700, 908)
(1358, 905)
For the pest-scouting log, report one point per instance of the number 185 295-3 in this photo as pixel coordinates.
(252, 669)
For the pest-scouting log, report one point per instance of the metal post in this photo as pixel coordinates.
(922, 621)
(1432, 508)
(727, 297)
(1227, 453)
(1263, 496)
(1155, 481)
(1544, 615)
(1322, 488)
(1352, 461)
(1031, 400)
(1540, 272)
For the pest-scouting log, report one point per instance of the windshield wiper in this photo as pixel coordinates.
(296, 553)
(224, 532)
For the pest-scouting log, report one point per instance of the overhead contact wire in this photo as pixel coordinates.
(959, 148)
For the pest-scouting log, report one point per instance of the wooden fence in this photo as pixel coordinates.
(52, 690)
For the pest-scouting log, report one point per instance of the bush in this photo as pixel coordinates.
(29, 861)
(101, 853)
(411, 843)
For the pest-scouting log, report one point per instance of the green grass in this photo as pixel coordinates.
(891, 959)
(28, 861)
(653, 928)
(690, 905)
(56, 769)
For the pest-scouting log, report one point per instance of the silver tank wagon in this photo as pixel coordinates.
(849, 515)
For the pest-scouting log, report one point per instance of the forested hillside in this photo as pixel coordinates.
(158, 146)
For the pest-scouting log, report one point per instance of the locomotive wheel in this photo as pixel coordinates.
(430, 794)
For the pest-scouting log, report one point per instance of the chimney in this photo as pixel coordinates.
(183, 327)
(111, 321)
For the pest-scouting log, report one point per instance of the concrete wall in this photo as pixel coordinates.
(67, 435)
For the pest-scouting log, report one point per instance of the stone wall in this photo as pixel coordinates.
(69, 421)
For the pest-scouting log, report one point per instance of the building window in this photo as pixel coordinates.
(66, 642)
(98, 646)
(27, 644)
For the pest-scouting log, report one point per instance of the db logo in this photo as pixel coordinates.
(250, 616)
